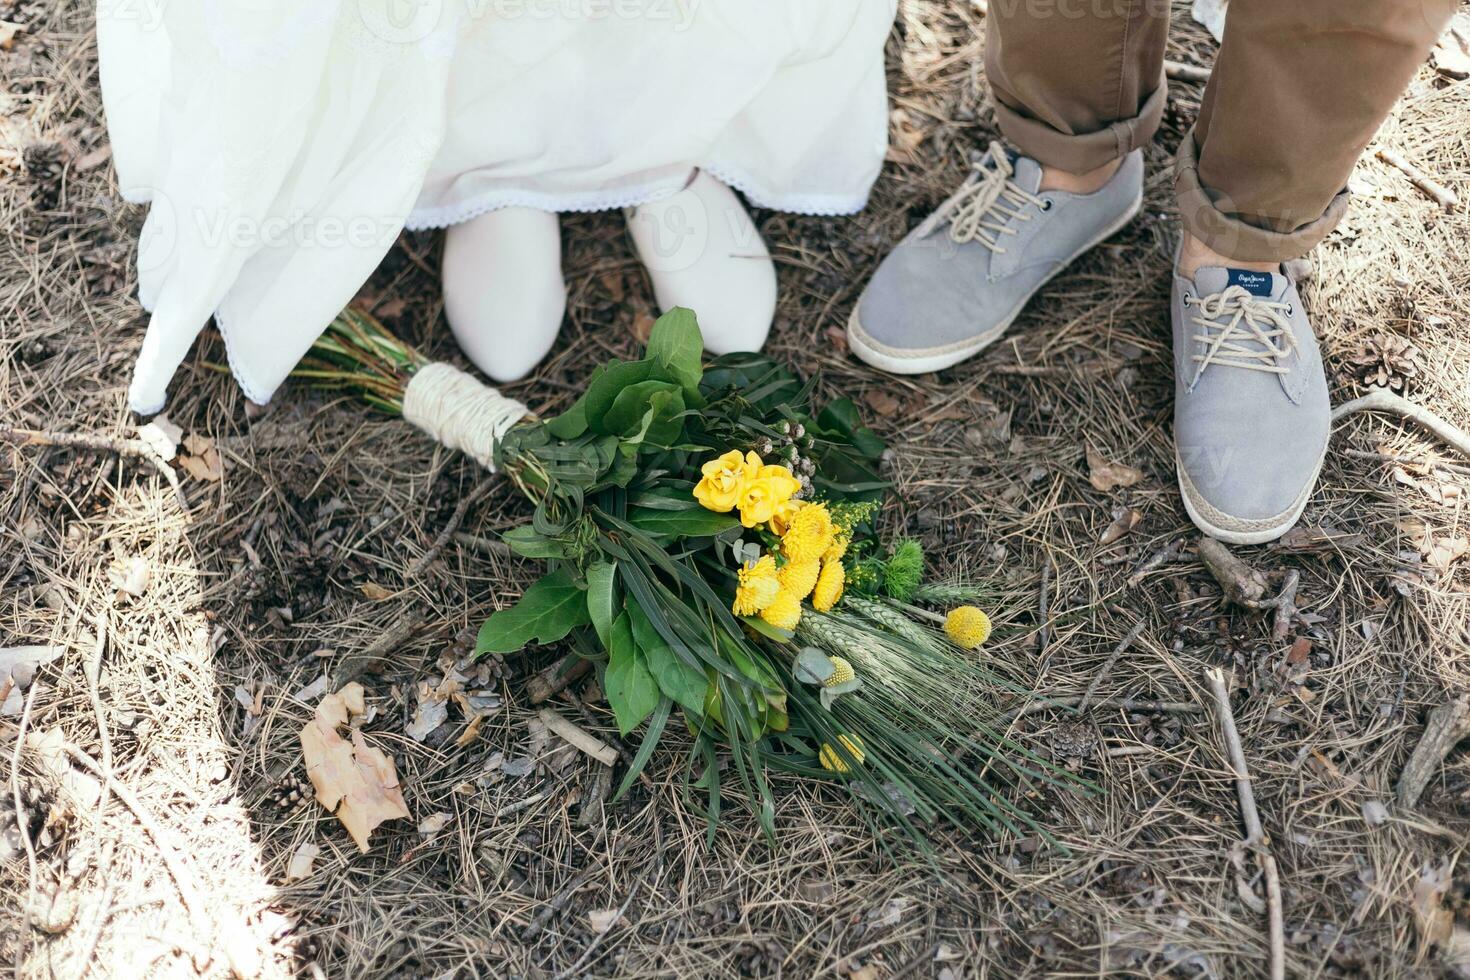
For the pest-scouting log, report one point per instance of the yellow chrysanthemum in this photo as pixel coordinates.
(784, 613)
(724, 481)
(967, 626)
(758, 587)
(769, 488)
(829, 586)
(833, 762)
(838, 551)
(809, 534)
(800, 577)
(842, 672)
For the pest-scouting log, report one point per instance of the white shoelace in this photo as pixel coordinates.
(980, 211)
(1242, 330)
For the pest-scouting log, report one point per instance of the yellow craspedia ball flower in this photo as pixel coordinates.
(842, 672)
(783, 613)
(833, 762)
(809, 534)
(829, 586)
(799, 577)
(758, 588)
(967, 626)
(724, 480)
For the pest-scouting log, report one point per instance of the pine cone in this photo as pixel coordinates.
(290, 793)
(1386, 360)
(45, 164)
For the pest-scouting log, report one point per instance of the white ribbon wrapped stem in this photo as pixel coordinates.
(459, 411)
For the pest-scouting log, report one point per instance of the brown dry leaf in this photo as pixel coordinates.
(1451, 55)
(352, 779)
(1305, 539)
(881, 401)
(1301, 648)
(8, 30)
(837, 337)
(433, 823)
(391, 309)
(94, 159)
(1443, 552)
(203, 461)
(374, 591)
(303, 861)
(1125, 521)
(1436, 923)
(1106, 476)
(642, 326)
(471, 732)
(904, 137)
(603, 919)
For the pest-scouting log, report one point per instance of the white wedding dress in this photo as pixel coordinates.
(284, 144)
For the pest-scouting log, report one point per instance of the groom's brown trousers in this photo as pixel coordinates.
(1298, 89)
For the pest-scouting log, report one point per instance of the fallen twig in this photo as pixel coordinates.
(188, 892)
(136, 448)
(1285, 602)
(579, 737)
(1243, 585)
(22, 827)
(447, 532)
(486, 546)
(554, 679)
(1447, 724)
(1164, 555)
(1441, 194)
(92, 669)
(1121, 704)
(1383, 400)
(1043, 617)
(558, 902)
(1255, 834)
(597, 939)
(373, 656)
(1186, 73)
(1107, 666)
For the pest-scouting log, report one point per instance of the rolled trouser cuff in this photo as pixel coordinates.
(1082, 152)
(1208, 216)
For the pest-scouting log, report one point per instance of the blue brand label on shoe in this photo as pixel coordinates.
(1255, 283)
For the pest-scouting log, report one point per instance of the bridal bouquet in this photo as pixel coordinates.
(709, 539)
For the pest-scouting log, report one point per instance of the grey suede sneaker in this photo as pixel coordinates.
(955, 283)
(1251, 412)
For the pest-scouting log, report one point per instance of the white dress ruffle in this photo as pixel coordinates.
(284, 144)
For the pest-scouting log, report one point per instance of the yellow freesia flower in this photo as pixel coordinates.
(809, 534)
(784, 613)
(833, 762)
(781, 519)
(967, 626)
(758, 587)
(768, 489)
(829, 586)
(799, 578)
(724, 481)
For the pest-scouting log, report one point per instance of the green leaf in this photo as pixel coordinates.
(573, 422)
(527, 542)
(677, 679)
(691, 522)
(602, 598)
(841, 417)
(549, 610)
(605, 386)
(676, 345)
(656, 723)
(631, 689)
(767, 630)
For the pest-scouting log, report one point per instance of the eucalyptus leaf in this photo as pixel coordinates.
(812, 666)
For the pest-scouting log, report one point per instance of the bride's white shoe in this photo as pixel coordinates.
(504, 294)
(703, 252)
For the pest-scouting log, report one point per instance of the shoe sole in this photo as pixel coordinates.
(1251, 531)
(925, 360)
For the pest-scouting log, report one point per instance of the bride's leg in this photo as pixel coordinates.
(504, 294)
(703, 252)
